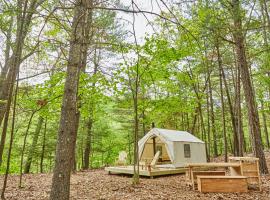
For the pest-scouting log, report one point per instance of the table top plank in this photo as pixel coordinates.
(222, 177)
(213, 165)
(244, 158)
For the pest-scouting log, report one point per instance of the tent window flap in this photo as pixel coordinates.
(187, 150)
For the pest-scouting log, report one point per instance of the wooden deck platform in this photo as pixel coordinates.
(144, 172)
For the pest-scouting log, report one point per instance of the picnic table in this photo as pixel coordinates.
(235, 169)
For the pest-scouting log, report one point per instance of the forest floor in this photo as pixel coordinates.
(97, 184)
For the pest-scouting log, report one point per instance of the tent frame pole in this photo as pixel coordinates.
(154, 145)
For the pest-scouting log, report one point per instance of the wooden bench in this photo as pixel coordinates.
(207, 173)
(202, 173)
(222, 183)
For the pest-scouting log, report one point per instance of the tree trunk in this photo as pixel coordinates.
(253, 116)
(187, 119)
(238, 113)
(266, 23)
(265, 13)
(203, 131)
(222, 104)
(194, 121)
(129, 148)
(212, 117)
(265, 125)
(136, 133)
(5, 125)
(67, 129)
(143, 122)
(232, 114)
(5, 69)
(208, 124)
(135, 93)
(23, 148)
(11, 140)
(33, 146)
(77, 124)
(43, 147)
(24, 16)
(84, 51)
(230, 142)
(199, 109)
(135, 98)
(88, 144)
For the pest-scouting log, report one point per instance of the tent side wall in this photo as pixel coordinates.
(197, 153)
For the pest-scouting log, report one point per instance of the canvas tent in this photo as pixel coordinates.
(176, 147)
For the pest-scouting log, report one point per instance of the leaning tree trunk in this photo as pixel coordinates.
(33, 146)
(67, 129)
(253, 116)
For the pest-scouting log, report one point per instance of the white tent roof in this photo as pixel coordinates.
(176, 136)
